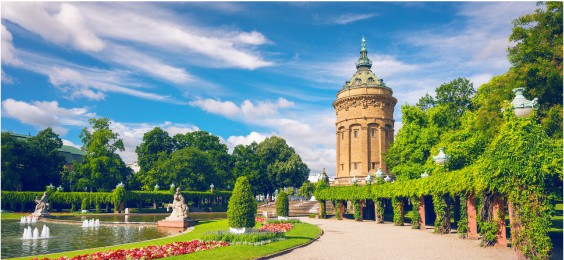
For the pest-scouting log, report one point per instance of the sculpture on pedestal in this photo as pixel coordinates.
(179, 207)
(41, 207)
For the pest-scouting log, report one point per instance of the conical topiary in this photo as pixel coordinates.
(282, 205)
(242, 205)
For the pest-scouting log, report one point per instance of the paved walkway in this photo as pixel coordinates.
(348, 239)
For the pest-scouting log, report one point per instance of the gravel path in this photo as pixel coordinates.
(348, 239)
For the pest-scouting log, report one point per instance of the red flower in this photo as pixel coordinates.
(278, 227)
(150, 252)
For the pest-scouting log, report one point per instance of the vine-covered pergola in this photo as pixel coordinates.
(520, 170)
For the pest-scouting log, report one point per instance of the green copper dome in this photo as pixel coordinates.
(364, 77)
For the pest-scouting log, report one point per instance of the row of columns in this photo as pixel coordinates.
(498, 211)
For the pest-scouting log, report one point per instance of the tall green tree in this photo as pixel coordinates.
(102, 168)
(156, 144)
(33, 163)
(242, 205)
(246, 162)
(211, 145)
(188, 168)
(284, 166)
(536, 59)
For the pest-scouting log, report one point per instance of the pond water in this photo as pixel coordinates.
(67, 237)
(117, 218)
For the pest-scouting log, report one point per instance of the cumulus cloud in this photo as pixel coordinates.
(224, 108)
(43, 114)
(233, 140)
(248, 110)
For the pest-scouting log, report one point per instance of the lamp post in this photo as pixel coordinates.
(60, 188)
(522, 107)
(211, 187)
(387, 179)
(172, 186)
(51, 187)
(442, 158)
(157, 186)
(354, 180)
(120, 185)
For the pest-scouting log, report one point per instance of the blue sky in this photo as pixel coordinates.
(240, 70)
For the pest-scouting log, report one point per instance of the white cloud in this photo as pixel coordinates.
(43, 114)
(131, 58)
(160, 30)
(233, 140)
(350, 18)
(61, 24)
(227, 108)
(8, 55)
(70, 143)
(253, 38)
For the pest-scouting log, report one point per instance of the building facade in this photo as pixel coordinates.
(365, 122)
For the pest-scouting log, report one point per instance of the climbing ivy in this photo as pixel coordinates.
(357, 209)
(379, 210)
(442, 222)
(415, 218)
(397, 204)
(463, 222)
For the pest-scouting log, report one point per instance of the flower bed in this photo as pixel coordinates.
(276, 227)
(150, 252)
(257, 237)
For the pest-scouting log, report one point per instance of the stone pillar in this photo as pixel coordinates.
(362, 204)
(499, 216)
(341, 210)
(376, 212)
(422, 212)
(472, 224)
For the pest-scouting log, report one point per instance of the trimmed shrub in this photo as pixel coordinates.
(242, 205)
(282, 205)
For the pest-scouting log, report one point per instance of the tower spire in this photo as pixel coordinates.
(363, 60)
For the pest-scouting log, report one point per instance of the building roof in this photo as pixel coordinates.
(364, 77)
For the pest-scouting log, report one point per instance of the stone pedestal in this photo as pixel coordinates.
(422, 212)
(176, 223)
(472, 224)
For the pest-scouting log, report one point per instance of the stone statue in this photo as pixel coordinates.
(41, 207)
(179, 207)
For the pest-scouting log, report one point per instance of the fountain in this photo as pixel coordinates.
(29, 234)
(28, 219)
(91, 223)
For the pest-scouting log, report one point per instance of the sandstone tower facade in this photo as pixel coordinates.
(365, 122)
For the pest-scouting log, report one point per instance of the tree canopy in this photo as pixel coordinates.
(101, 168)
(33, 163)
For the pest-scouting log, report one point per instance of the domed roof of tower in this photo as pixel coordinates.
(364, 77)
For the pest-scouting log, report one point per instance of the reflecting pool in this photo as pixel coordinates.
(67, 237)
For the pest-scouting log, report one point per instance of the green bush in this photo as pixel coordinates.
(242, 205)
(254, 238)
(282, 205)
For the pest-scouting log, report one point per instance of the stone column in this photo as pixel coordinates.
(382, 147)
(499, 216)
(341, 210)
(362, 204)
(376, 219)
(472, 224)
(513, 224)
(422, 212)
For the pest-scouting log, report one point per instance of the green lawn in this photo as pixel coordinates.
(13, 215)
(300, 234)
